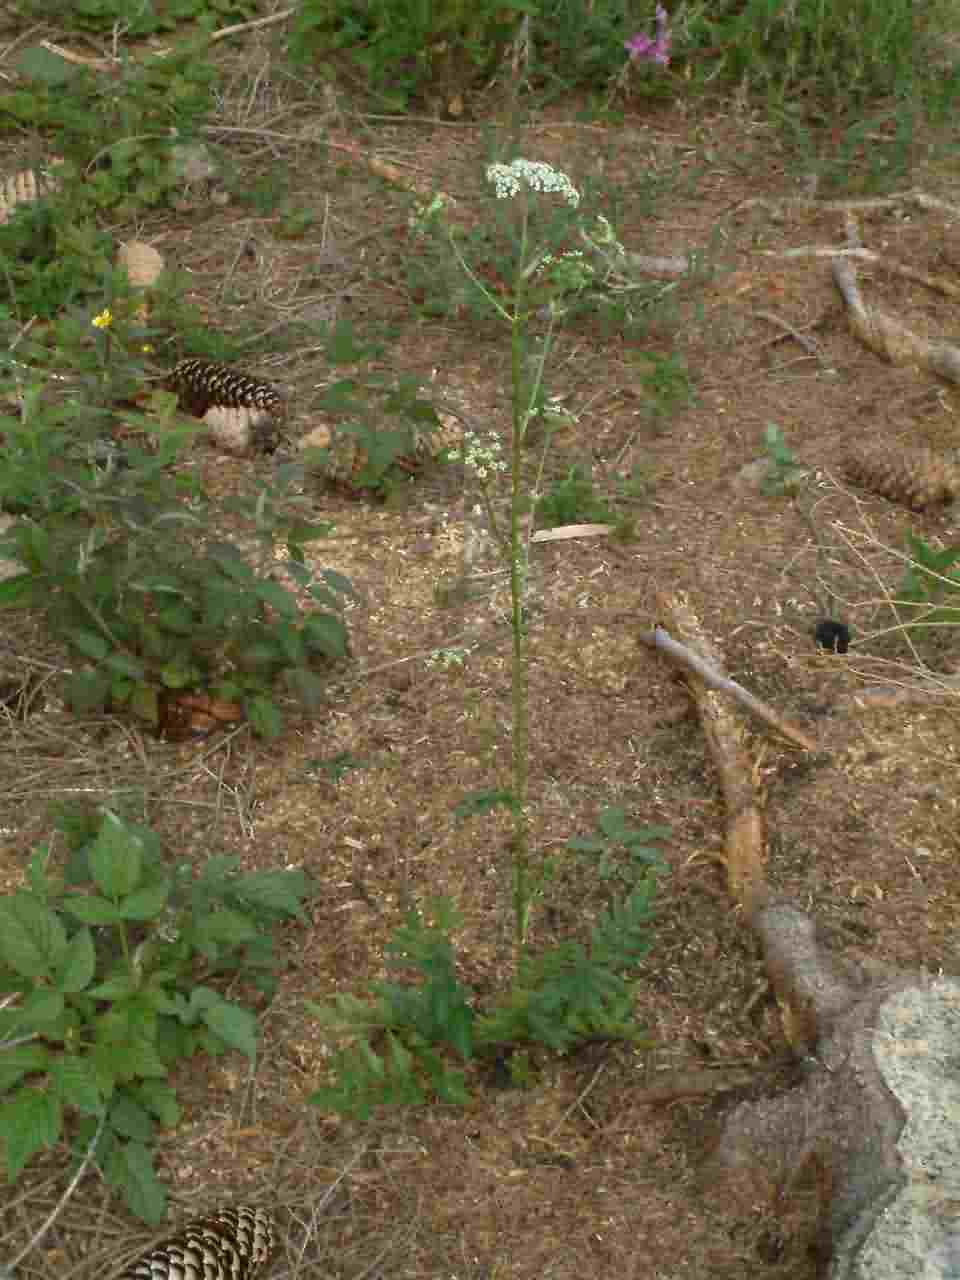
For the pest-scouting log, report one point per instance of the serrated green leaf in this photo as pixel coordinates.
(29, 1120)
(129, 1119)
(76, 1083)
(117, 1061)
(78, 963)
(32, 939)
(116, 858)
(21, 1061)
(160, 1099)
(282, 891)
(226, 925)
(130, 1169)
(235, 1026)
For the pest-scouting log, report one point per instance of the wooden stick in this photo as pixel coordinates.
(661, 639)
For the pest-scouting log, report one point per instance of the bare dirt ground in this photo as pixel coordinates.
(579, 1174)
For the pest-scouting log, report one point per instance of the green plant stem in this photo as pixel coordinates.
(520, 736)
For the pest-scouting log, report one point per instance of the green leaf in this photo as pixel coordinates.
(29, 1120)
(227, 926)
(32, 939)
(88, 691)
(21, 1061)
(76, 1083)
(92, 909)
(146, 903)
(265, 717)
(130, 1169)
(278, 598)
(114, 1060)
(78, 963)
(41, 1008)
(130, 1119)
(90, 643)
(116, 858)
(20, 591)
(119, 987)
(43, 66)
(122, 665)
(235, 1026)
(325, 635)
(282, 891)
(178, 674)
(160, 1099)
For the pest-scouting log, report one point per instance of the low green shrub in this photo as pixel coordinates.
(111, 973)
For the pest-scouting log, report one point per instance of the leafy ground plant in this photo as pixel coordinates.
(622, 852)
(929, 592)
(127, 571)
(415, 1040)
(109, 976)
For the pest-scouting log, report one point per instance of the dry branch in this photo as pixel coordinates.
(746, 826)
(886, 336)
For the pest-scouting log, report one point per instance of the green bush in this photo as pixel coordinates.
(124, 564)
(109, 976)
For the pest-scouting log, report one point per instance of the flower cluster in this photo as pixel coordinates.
(508, 179)
(654, 49)
(104, 320)
(481, 454)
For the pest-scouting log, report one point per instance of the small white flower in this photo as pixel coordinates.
(482, 454)
(507, 180)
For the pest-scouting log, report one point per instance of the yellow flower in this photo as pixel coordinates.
(104, 320)
(147, 349)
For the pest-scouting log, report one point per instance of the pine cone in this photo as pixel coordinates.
(916, 478)
(231, 1244)
(202, 384)
(241, 411)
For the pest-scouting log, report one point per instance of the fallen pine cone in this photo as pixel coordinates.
(916, 478)
(230, 1244)
(240, 410)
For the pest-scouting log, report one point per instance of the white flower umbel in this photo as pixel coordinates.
(509, 179)
(482, 454)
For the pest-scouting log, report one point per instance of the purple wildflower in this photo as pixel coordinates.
(655, 49)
